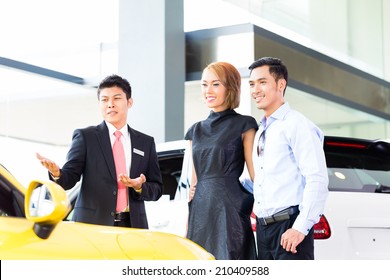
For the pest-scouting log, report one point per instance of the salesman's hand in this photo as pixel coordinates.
(50, 165)
(135, 183)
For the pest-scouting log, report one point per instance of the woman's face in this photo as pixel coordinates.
(213, 91)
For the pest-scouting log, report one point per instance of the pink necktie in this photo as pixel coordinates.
(120, 166)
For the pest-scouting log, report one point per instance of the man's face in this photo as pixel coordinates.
(114, 106)
(265, 91)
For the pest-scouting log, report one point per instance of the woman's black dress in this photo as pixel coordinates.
(219, 214)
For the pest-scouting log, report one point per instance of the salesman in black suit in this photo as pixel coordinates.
(91, 159)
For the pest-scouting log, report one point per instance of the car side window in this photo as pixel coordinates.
(11, 201)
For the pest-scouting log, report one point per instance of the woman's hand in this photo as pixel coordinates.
(192, 192)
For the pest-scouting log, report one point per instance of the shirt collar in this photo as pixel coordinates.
(112, 129)
(279, 114)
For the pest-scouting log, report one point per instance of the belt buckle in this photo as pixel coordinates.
(281, 216)
(119, 216)
(264, 221)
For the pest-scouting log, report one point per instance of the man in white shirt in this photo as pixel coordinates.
(291, 182)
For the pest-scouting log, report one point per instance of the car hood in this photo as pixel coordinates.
(71, 240)
(139, 244)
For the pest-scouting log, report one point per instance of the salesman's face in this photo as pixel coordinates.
(114, 106)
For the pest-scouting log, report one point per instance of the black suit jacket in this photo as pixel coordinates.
(90, 158)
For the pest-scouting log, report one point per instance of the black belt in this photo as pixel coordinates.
(122, 216)
(278, 217)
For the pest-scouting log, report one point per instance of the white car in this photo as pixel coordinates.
(358, 206)
(170, 212)
(356, 220)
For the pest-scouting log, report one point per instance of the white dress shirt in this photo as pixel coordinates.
(291, 168)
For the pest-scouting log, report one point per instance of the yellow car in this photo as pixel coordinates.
(32, 227)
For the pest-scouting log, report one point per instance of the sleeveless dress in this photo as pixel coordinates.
(219, 213)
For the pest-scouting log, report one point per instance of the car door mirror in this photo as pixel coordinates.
(46, 204)
(41, 203)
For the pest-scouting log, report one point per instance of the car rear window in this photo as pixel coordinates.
(358, 167)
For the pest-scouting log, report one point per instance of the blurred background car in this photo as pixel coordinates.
(32, 227)
(358, 206)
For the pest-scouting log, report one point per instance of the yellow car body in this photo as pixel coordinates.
(42, 234)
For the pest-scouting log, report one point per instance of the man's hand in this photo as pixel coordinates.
(136, 183)
(50, 165)
(291, 239)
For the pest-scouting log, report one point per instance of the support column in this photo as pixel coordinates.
(151, 55)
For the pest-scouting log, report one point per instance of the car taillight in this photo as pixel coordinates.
(253, 221)
(322, 229)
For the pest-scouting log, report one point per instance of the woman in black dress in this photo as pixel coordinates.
(219, 214)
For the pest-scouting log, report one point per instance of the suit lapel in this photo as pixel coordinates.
(136, 149)
(105, 146)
